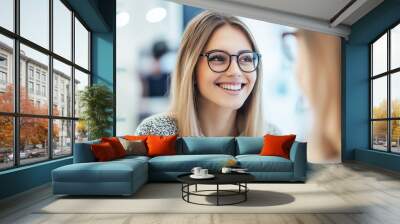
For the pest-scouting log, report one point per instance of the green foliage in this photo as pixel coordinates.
(96, 102)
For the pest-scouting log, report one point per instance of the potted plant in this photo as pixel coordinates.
(96, 102)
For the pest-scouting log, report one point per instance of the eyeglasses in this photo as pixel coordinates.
(219, 60)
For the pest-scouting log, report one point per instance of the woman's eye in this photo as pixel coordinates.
(246, 59)
(216, 58)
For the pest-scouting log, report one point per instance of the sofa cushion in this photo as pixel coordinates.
(103, 152)
(161, 145)
(257, 163)
(185, 163)
(249, 145)
(207, 145)
(83, 152)
(116, 145)
(277, 145)
(111, 171)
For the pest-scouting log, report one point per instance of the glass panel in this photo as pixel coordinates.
(81, 45)
(62, 141)
(7, 14)
(81, 81)
(35, 21)
(33, 139)
(62, 29)
(6, 74)
(379, 55)
(395, 94)
(62, 89)
(6, 142)
(81, 131)
(34, 81)
(379, 100)
(395, 47)
(395, 136)
(379, 135)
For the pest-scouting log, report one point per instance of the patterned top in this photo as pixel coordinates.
(159, 124)
(164, 124)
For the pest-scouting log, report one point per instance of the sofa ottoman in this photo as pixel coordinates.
(118, 177)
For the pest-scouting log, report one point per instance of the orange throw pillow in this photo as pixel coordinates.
(277, 145)
(161, 145)
(116, 145)
(103, 151)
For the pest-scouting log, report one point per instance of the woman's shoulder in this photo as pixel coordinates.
(158, 124)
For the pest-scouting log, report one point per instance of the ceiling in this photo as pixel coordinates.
(327, 16)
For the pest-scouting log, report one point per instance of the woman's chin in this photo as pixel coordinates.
(231, 105)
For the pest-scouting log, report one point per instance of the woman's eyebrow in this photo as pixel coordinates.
(244, 51)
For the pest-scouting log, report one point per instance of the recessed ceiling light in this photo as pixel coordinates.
(156, 15)
(122, 19)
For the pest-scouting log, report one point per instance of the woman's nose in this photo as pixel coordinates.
(234, 68)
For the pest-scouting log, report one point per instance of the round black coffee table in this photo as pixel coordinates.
(238, 179)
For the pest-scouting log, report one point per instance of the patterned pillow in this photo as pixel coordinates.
(134, 147)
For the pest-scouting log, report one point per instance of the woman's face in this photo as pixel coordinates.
(230, 88)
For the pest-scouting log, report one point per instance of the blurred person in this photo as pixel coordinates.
(156, 80)
(318, 67)
(216, 83)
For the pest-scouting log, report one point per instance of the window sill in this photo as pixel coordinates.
(25, 167)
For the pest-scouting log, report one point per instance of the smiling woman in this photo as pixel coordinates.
(215, 87)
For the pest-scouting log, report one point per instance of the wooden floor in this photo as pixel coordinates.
(378, 188)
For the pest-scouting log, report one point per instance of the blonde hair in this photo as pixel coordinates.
(183, 91)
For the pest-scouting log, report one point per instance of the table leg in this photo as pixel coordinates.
(217, 194)
(245, 193)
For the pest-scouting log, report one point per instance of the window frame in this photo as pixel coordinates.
(16, 115)
(388, 74)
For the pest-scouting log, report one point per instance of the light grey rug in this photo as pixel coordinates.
(166, 198)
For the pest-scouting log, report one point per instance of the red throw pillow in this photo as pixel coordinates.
(103, 151)
(277, 145)
(116, 145)
(161, 145)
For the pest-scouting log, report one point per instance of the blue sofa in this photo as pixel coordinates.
(125, 176)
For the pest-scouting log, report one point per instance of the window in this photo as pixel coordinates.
(37, 75)
(3, 72)
(43, 90)
(81, 45)
(30, 72)
(3, 61)
(38, 89)
(385, 91)
(7, 87)
(7, 14)
(30, 87)
(3, 78)
(55, 128)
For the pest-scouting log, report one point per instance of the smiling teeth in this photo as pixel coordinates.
(231, 87)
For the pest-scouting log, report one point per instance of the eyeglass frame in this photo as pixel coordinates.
(230, 59)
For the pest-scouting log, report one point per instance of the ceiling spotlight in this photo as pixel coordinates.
(122, 19)
(156, 15)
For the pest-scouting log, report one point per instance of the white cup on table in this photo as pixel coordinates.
(196, 170)
(203, 172)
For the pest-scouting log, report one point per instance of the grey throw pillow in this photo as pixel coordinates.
(134, 147)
